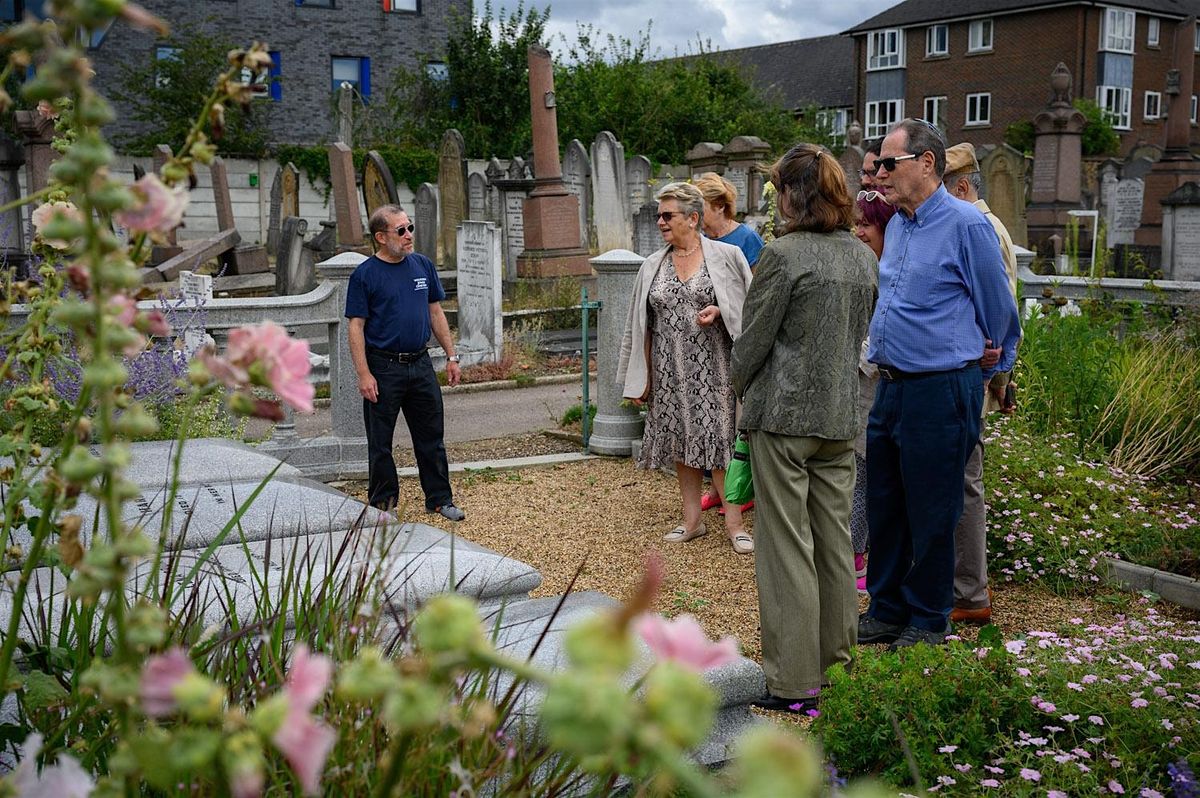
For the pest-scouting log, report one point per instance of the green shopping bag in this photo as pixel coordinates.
(739, 483)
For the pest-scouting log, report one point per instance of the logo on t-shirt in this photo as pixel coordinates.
(420, 284)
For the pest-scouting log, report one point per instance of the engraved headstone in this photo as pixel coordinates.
(1109, 175)
(1003, 174)
(285, 201)
(426, 235)
(609, 193)
(477, 191)
(452, 194)
(480, 323)
(646, 236)
(637, 182)
(514, 229)
(577, 172)
(1181, 233)
(378, 187)
(294, 273)
(1125, 213)
(740, 180)
(345, 195)
(195, 290)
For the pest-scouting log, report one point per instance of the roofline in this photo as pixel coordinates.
(859, 30)
(768, 46)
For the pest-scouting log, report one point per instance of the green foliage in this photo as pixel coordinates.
(167, 95)
(1099, 137)
(411, 165)
(1020, 136)
(210, 418)
(574, 413)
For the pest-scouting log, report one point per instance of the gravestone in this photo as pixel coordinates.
(1136, 168)
(378, 187)
(294, 273)
(707, 156)
(1003, 174)
(1057, 162)
(517, 169)
(452, 194)
(1181, 233)
(646, 236)
(577, 171)
(345, 114)
(345, 196)
(477, 198)
(637, 182)
(744, 157)
(1109, 174)
(426, 235)
(1125, 212)
(195, 290)
(740, 180)
(513, 206)
(480, 272)
(220, 189)
(244, 258)
(285, 201)
(494, 173)
(609, 193)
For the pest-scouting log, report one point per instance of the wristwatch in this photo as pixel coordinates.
(453, 358)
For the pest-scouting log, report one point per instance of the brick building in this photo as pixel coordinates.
(974, 67)
(316, 45)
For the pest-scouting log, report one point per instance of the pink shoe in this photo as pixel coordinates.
(860, 565)
(861, 584)
(709, 501)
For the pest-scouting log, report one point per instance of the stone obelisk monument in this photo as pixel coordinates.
(553, 245)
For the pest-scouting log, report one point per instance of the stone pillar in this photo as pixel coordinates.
(345, 400)
(707, 156)
(38, 132)
(12, 223)
(616, 427)
(1057, 160)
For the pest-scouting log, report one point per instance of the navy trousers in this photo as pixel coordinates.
(412, 388)
(920, 432)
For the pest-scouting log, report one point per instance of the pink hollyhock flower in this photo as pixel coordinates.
(246, 784)
(161, 209)
(42, 214)
(283, 361)
(63, 780)
(683, 641)
(160, 676)
(303, 740)
(46, 110)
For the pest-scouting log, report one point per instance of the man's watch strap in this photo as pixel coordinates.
(452, 358)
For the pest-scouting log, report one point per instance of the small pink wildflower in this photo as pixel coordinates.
(302, 739)
(1070, 718)
(160, 676)
(1029, 774)
(684, 641)
(947, 749)
(1149, 793)
(1139, 703)
(1096, 719)
(1056, 794)
(989, 783)
(1114, 786)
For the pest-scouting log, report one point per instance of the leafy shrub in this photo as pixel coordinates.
(1099, 136)
(1020, 136)
(574, 413)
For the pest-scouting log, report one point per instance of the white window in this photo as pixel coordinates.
(832, 122)
(1117, 35)
(882, 115)
(935, 111)
(1152, 32)
(885, 49)
(1115, 100)
(979, 36)
(937, 40)
(1153, 106)
(1193, 109)
(1196, 46)
(979, 109)
(401, 5)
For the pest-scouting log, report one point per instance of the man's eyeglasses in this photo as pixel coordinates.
(667, 216)
(890, 163)
(402, 229)
(869, 196)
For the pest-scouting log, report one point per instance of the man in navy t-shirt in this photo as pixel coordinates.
(392, 304)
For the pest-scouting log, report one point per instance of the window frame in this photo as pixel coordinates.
(1122, 119)
(362, 85)
(875, 129)
(1128, 38)
(877, 62)
(1193, 109)
(389, 7)
(323, 4)
(977, 26)
(833, 122)
(930, 41)
(980, 97)
(1153, 31)
(940, 103)
(1157, 97)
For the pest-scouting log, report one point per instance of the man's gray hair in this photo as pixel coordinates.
(688, 196)
(379, 219)
(924, 137)
(974, 178)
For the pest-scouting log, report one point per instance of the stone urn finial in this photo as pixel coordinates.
(1060, 84)
(854, 134)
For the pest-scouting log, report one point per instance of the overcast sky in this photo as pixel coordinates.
(725, 24)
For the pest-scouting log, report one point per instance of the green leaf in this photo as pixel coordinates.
(41, 691)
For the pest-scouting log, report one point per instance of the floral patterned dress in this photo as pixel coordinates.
(691, 412)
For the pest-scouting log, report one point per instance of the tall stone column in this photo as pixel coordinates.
(615, 428)
(38, 132)
(1057, 158)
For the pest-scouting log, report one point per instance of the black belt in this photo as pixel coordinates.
(399, 357)
(893, 374)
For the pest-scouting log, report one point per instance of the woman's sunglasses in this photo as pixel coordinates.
(869, 196)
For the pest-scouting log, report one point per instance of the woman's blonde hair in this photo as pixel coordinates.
(718, 192)
(812, 191)
(687, 195)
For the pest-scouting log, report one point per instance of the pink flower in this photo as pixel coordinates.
(302, 739)
(46, 110)
(683, 641)
(267, 350)
(1096, 719)
(63, 780)
(42, 214)
(160, 676)
(989, 783)
(1029, 774)
(947, 749)
(1138, 703)
(1114, 786)
(161, 209)
(1057, 794)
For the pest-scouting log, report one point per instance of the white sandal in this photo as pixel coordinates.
(680, 534)
(742, 543)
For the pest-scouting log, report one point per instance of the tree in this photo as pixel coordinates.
(167, 95)
(1099, 137)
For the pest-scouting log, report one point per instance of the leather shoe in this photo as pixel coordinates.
(450, 512)
(775, 703)
(682, 534)
(913, 635)
(980, 615)
(873, 630)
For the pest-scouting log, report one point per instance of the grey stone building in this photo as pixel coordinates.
(316, 44)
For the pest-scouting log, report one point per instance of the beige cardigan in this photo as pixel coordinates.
(730, 275)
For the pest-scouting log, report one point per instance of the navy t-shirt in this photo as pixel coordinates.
(394, 299)
(747, 241)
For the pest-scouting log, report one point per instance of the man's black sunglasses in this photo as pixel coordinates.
(890, 163)
(402, 228)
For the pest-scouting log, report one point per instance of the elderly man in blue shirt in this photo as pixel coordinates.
(943, 295)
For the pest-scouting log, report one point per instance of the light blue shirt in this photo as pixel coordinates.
(942, 291)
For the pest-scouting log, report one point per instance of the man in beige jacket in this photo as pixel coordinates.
(972, 599)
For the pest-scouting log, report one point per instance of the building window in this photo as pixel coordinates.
(355, 71)
(885, 49)
(882, 115)
(979, 38)
(265, 83)
(315, 3)
(437, 71)
(408, 6)
(979, 109)
(1115, 101)
(1196, 46)
(1153, 105)
(1193, 109)
(1152, 32)
(164, 53)
(1117, 36)
(832, 122)
(937, 40)
(935, 111)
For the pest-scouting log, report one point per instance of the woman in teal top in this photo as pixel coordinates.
(720, 200)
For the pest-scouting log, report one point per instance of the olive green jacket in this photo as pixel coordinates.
(795, 365)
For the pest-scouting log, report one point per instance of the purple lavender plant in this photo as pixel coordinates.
(1183, 780)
